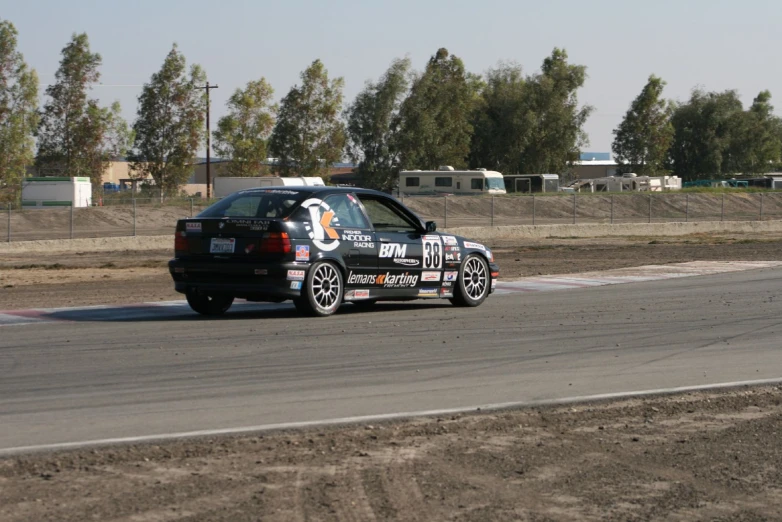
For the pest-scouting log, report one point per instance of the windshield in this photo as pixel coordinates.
(495, 183)
(267, 204)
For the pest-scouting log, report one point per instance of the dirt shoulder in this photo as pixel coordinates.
(83, 278)
(698, 456)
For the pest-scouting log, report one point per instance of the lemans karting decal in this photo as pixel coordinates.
(193, 227)
(295, 275)
(433, 252)
(387, 280)
(470, 244)
(430, 276)
(302, 252)
(320, 227)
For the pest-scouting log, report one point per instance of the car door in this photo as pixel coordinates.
(408, 261)
(357, 240)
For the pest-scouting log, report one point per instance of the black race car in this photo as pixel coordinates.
(320, 246)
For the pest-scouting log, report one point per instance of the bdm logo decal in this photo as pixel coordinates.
(320, 227)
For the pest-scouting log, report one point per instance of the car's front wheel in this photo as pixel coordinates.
(209, 304)
(472, 286)
(321, 294)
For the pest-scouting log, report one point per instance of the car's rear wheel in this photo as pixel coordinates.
(472, 286)
(209, 304)
(322, 292)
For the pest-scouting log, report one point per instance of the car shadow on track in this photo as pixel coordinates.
(241, 311)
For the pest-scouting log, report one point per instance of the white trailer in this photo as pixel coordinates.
(56, 192)
(223, 186)
(626, 183)
(446, 180)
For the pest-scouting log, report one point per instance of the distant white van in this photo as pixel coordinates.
(446, 180)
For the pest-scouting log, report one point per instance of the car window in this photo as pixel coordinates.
(386, 217)
(347, 210)
(253, 205)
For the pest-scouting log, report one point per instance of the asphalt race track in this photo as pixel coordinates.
(75, 376)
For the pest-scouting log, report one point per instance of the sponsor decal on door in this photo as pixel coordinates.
(393, 250)
(321, 229)
(430, 276)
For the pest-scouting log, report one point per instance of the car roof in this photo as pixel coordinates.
(319, 189)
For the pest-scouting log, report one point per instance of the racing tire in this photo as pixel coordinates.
(472, 285)
(321, 293)
(209, 304)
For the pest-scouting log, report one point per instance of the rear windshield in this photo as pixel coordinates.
(267, 204)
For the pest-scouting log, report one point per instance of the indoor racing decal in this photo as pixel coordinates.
(320, 227)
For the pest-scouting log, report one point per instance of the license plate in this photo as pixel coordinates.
(221, 245)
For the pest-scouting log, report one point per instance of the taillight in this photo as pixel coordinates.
(180, 241)
(276, 243)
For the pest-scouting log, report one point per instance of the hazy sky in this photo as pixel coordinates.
(716, 44)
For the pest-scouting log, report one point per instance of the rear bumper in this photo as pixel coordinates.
(243, 280)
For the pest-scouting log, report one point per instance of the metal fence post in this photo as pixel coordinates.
(612, 209)
(722, 210)
(492, 211)
(761, 206)
(533, 210)
(574, 208)
(9, 222)
(445, 212)
(134, 216)
(686, 208)
(650, 208)
(191, 207)
(73, 204)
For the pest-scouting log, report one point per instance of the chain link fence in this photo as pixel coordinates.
(151, 216)
(459, 211)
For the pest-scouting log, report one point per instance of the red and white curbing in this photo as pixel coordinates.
(169, 309)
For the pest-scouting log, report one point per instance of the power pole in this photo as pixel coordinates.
(207, 88)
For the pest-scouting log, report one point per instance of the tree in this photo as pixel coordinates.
(77, 137)
(309, 137)
(242, 134)
(434, 120)
(502, 121)
(169, 124)
(756, 138)
(643, 138)
(704, 128)
(371, 128)
(557, 134)
(18, 113)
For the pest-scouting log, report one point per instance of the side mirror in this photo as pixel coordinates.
(431, 226)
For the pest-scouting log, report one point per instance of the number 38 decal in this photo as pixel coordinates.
(433, 252)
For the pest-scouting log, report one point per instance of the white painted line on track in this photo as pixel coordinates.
(382, 417)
